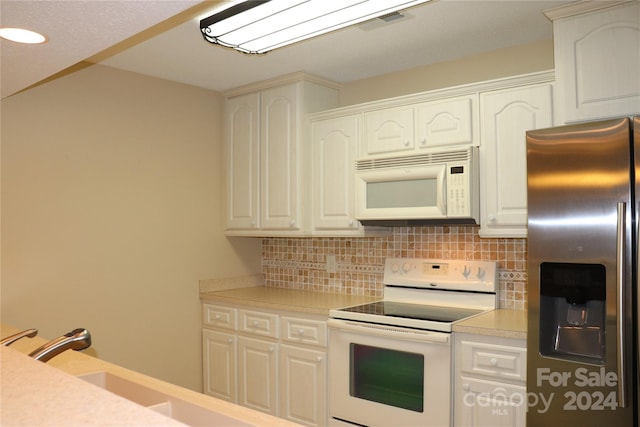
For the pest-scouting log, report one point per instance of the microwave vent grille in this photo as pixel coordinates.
(433, 158)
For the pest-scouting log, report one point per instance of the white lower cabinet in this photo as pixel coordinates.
(274, 362)
(490, 381)
(219, 371)
(258, 374)
(303, 375)
(491, 404)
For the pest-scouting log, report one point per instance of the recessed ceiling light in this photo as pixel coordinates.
(21, 35)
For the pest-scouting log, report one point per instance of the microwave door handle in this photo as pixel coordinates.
(620, 300)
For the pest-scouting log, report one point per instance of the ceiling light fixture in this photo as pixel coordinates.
(21, 35)
(258, 26)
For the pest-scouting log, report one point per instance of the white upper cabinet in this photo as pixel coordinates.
(597, 59)
(505, 116)
(279, 157)
(405, 130)
(266, 158)
(334, 144)
(445, 122)
(390, 130)
(242, 127)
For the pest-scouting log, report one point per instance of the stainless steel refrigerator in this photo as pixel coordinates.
(582, 349)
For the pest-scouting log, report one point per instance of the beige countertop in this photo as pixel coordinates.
(286, 299)
(501, 323)
(50, 394)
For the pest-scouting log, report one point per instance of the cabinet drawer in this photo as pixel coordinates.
(304, 331)
(498, 361)
(259, 323)
(219, 316)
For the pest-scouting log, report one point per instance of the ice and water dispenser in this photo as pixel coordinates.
(572, 311)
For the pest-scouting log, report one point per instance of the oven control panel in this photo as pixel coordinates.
(442, 274)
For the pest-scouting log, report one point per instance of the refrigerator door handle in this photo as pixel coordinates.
(620, 312)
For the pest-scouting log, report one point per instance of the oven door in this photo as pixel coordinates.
(385, 375)
(414, 192)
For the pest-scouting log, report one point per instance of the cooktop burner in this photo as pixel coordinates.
(414, 311)
(429, 294)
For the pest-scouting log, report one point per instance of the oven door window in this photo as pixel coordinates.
(386, 376)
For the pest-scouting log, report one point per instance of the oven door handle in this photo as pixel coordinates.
(389, 331)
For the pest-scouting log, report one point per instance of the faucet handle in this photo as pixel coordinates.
(78, 339)
(30, 333)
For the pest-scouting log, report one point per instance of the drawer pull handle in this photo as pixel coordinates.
(255, 323)
(301, 332)
(493, 361)
(217, 317)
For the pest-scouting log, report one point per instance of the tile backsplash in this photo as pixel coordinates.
(306, 263)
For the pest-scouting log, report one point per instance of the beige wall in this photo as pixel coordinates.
(487, 66)
(111, 213)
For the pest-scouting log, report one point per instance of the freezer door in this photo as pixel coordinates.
(580, 333)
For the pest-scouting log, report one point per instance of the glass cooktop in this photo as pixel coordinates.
(412, 311)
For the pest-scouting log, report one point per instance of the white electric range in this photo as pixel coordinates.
(390, 361)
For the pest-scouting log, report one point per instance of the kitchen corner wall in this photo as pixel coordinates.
(300, 263)
(111, 190)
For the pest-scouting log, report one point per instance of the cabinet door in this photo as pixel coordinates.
(279, 158)
(219, 367)
(243, 156)
(505, 116)
(257, 374)
(334, 147)
(489, 404)
(597, 57)
(389, 130)
(446, 122)
(303, 381)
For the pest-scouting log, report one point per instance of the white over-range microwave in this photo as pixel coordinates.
(430, 187)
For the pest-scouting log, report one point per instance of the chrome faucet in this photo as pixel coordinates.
(78, 339)
(30, 333)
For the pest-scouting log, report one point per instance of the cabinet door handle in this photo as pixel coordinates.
(271, 349)
(493, 361)
(406, 143)
(319, 359)
(230, 340)
(466, 387)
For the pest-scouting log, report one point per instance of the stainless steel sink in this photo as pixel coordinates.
(170, 406)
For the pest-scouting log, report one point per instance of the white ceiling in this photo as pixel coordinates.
(437, 31)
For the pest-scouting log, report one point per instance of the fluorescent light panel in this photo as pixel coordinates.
(261, 26)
